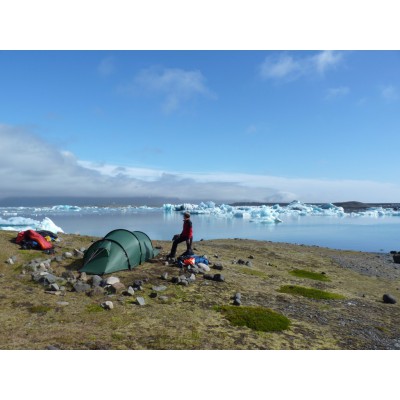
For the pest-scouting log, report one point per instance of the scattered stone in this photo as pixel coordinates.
(237, 296)
(54, 287)
(219, 278)
(96, 280)
(237, 302)
(96, 291)
(159, 288)
(175, 279)
(54, 292)
(396, 258)
(216, 255)
(251, 257)
(389, 299)
(107, 305)
(115, 288)
(249, 263)
(183, 282)
(81, 287)
(67, 254)
(83, 277)
(241, 262)
(218, 266)
(153, 295)
(164, 276)
(52, 348)
(78, 253)
(10, 261)
(163, 298)
(192, 278)
(130, 291)
(111, 280)
(62, 303)
(140, 301)
(203, 267)
(208, 276)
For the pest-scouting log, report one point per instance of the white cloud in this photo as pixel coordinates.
(175, 86)
(287, 67)
(326, 60)
(389, 93)
(106, 66)
(337, 92)
(32, 167)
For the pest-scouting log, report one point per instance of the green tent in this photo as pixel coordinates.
(120, 249)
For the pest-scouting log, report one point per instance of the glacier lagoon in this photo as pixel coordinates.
(375, 229)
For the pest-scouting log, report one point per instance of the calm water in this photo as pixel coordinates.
(348, 233)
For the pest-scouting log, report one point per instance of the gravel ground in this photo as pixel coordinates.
(370, 264)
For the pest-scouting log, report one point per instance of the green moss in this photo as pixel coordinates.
(301, 273)
(249, 271)
(310, 293)
(39, 309)
(256, 318)
(92, 308)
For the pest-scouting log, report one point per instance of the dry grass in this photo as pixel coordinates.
(33, 319)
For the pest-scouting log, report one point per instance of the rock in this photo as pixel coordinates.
(96, 280)
(219, 278)
(68, 275)
(153, 295)
(160, 288)
(67, 254)
(96, 291)
(111, 280)
(54, 287)
(389, 299)
(396, 258)
(78, 253)
(10, 261)
(251, 257)
(52, 348)
(129, 291)
(115, 288)
(164, 276)
(175, 279)
(163, 298)
(107, 305)
(237, 296)
(241, 262)
(218, 266)
(140, 301)
(81, 287)
(204, 267)
(237, 302)
(62, 303)
(83, 277)
(249, 263)
(47, 278)
(192, 278)
(183, 282)
(208, 276)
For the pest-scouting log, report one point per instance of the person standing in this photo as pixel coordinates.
(185, 236)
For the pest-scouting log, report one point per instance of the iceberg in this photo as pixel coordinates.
(23, 224)
(267, 214)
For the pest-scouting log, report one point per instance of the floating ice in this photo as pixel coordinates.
(23, 224)
(272, 214)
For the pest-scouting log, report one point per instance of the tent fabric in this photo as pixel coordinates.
(119, 250)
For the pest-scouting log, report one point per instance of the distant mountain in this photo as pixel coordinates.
(86, 201)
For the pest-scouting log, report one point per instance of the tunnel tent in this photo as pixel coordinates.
(119, 250)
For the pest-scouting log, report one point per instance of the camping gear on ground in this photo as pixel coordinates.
(119, 250)
(31, 239)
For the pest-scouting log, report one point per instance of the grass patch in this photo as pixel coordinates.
(310, 293)
(93, 308)
(249, 271)
(256, 318)
(301, 273)
(40, 309)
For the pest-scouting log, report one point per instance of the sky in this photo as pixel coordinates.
(273, 126)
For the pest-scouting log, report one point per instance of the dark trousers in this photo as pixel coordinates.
(180, 240)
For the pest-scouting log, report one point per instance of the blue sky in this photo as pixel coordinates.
(220, 125)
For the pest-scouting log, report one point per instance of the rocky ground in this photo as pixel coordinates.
(47, 303)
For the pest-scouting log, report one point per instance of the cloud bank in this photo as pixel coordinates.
(287, 67)
(31, 167)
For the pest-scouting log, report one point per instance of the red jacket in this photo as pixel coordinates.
(187, 231)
